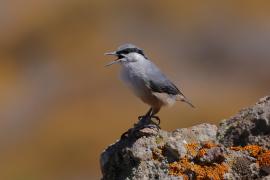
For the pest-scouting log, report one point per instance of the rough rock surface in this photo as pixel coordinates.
(249, 126)
(238, 149)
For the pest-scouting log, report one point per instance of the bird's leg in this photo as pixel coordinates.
(146, 115)
(144, 121)
(153, 113)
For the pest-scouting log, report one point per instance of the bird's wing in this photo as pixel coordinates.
(164, 87)
(159, 83)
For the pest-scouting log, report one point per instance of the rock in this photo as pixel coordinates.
(249, 126)
(266, 178)
(140, 155)
(176, 142)
(199, 152)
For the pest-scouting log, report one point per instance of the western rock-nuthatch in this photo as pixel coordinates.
(146, 80)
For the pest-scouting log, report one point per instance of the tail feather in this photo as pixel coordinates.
(182, 98)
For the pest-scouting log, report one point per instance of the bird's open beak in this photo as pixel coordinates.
(111, 53)
(113, 62)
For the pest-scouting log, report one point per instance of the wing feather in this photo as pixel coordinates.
(159, 83)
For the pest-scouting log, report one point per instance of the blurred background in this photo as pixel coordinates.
(59, 106)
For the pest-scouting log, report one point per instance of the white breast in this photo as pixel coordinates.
(133, 75)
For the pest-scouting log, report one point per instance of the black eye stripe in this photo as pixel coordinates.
(130, 50)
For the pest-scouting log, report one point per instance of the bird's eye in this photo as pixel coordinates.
(122, 52)
(125, 52)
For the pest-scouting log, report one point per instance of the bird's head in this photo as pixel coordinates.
(127, 53)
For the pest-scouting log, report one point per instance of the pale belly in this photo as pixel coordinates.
(140, 89)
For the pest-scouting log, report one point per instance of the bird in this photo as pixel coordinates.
(146, 80)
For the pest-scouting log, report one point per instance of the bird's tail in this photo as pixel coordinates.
(181, 97)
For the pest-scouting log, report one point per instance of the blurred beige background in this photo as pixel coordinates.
(59, 106)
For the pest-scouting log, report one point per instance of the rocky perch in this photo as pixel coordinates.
(237, 149)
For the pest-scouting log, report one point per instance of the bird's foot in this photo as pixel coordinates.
(152, 126)
(144, 122)
(157, 119)
(147, 121)
(144, 119)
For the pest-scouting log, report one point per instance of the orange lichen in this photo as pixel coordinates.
(253, 150)
(176, 169)
(192, 148)
(236, 148)
(262, 155)
(264, 159)
(214, 171)
(209, 145)
(201, 153)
